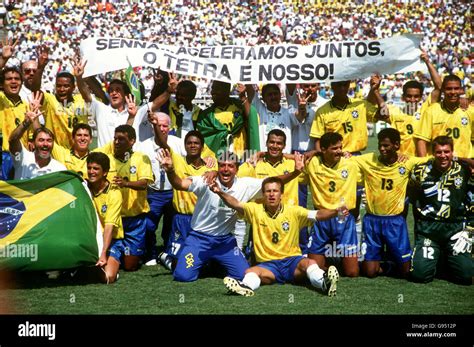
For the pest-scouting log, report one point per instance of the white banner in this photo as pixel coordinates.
(283, 63)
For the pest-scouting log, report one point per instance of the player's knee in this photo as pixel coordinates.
(463, 279)
(351, 272)
(421, 276)
(184, 276)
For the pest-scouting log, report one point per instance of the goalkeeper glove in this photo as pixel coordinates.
(463, 243)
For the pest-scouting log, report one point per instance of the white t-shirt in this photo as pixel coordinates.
(301, 141)
(107, 119)
(284, 120)
(211, 216)
(26, 167)
(151, 149)
(141, 124)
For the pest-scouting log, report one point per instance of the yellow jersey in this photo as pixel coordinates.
(385, 185)
(329, 184)
(183, 201)
(137, 167)
(11, 115)
(276, 237)
(72, 162)
(177, 117)
(108, 204)
(61, 118)
(265, 169)
(350, 122)
(438, 121)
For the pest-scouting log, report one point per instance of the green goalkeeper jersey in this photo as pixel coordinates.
(442, 197)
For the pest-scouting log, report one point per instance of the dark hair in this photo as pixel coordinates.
(65, 74)
(99, 158)
(194, 133)
(389, 133)
(450, 78)
(413, 85)
(126, 88)
(222, 85)
(227, 156)
(442, 141)
(127, 129)
(273, 179)
(329, 139)
(277, 132)
(340, 83)
(190, 86)
(267, 87)
(81, 126)
(10, 69)
(42, 130)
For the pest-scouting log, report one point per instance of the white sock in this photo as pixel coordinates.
(252, 280)
(315, 275)
(240, 230)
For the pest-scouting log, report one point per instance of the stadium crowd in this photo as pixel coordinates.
(151, 154)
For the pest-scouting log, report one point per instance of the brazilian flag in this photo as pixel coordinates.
(134, 84)
(47, 223)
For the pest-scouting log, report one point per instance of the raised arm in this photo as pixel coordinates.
(8, 47)
(301, 113)
(96, 89)
(31, 116)
(43, 57)
(79, 66)
(228, 199)
(243, 96)
(374, 87)
(421, 147)
(435, 77)
(167, 164)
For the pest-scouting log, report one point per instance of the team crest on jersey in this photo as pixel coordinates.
(458, 182)
(103, 208)
(464, 121)
(402, 170)
(355, 114)
(285, 226)
(133, 170)
(344, 173)
(285, 172)
(427, 242)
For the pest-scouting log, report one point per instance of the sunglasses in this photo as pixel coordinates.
(29, 70)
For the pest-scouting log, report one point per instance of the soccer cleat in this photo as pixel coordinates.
(330, 281)
(166, 260)
(151, 262)
(237, 287)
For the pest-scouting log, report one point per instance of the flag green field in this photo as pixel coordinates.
(47, 223)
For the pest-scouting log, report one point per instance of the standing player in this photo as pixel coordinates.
(449, 119)
(385, 181)
(332, 177)
(407, 120)
(276, 229)
(442, 205)
(108, 203)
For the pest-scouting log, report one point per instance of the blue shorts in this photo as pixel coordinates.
(389, 230)
(6, 169)
(180, 230)
(115, 249)
(333, 239)
(200, 248)
(133, 242)
(283, 269)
